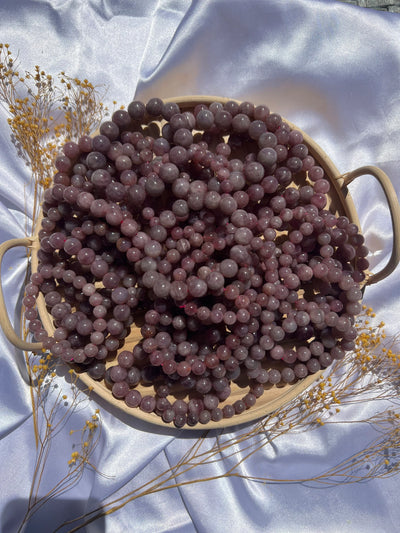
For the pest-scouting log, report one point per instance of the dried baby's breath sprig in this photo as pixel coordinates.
(89, 436)
(44, 114)
(55, 402)
(81, 108)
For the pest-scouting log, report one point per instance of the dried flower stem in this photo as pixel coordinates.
(44, 114)
(52, 414)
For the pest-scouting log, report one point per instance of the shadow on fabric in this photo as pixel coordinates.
(51, 516)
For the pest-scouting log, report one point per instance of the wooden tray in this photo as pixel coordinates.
(340, 203)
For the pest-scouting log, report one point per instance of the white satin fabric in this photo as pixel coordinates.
(330, 68)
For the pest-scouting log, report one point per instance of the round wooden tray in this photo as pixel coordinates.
(339, 202)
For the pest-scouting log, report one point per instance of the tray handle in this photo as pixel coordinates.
(394, 210)
(4, 318)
